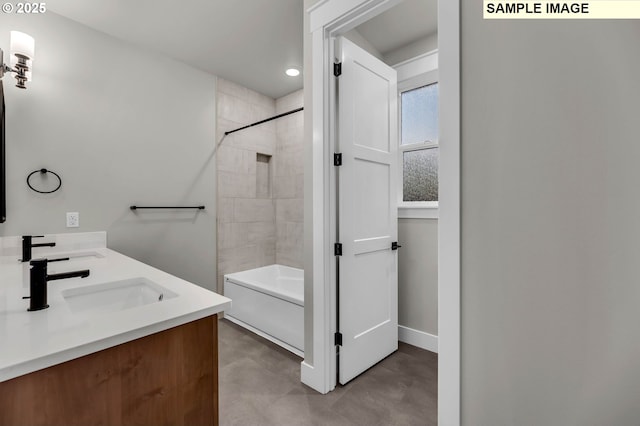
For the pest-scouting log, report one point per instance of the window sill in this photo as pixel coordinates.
(418, 212)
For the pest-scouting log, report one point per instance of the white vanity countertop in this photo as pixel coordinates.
(31, 341)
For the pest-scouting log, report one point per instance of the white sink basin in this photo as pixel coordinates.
(83, 255)
(115, 296)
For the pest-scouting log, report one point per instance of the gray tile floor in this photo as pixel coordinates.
(260, 385)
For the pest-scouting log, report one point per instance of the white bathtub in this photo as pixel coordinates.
(269, 301)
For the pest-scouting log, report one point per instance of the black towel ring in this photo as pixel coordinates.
(43, 171)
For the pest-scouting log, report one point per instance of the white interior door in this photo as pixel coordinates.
(367, 211)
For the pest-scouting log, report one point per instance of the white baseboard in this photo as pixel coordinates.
(418, 338)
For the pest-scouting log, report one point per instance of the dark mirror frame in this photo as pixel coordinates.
(3, 186)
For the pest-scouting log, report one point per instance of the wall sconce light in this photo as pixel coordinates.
(22, 52)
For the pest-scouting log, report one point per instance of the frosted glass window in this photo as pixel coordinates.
(420, 175)
(419, 121)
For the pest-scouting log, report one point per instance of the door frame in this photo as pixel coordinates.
(329, 19)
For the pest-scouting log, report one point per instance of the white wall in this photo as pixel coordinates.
(418, 275)
(416, 48)
(359, 40)
(550, 231)
(121, 126)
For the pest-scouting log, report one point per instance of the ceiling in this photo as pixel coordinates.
(250, 42)
(401, 25)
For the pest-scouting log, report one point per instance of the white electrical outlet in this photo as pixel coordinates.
(73, 219)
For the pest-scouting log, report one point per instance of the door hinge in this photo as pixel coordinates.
(395, 245)
(337, 69)
(337, 249)
(337, 159)
(337, 339)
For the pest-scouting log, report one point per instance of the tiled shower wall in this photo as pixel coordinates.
(260, 180)
(246, 221)
(289, 182)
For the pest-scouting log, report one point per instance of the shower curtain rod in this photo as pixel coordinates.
(264, 121)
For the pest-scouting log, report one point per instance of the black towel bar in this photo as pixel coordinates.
(167, 207)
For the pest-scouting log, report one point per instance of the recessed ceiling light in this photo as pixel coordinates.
(292, 72)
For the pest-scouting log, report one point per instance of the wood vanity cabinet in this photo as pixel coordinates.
(167, 378)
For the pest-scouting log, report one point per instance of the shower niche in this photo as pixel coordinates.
(263, 176)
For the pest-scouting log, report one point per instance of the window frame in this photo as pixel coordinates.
(413, 74)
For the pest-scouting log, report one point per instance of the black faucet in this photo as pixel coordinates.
(39, 279)
(27, 245)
